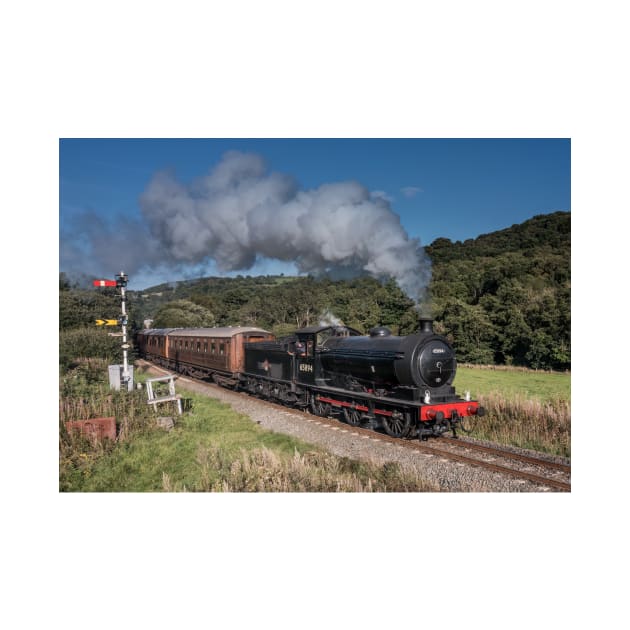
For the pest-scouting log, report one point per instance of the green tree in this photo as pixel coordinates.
(183, 314)
(470, 331)
(252, 311)
(82, 308)
(540, 351)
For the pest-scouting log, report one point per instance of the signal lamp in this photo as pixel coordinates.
(121, 279)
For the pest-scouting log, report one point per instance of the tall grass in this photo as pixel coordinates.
(263, 470)
(540, 425)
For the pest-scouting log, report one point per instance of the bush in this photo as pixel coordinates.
(78, 344)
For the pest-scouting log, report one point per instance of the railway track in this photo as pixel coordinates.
(538, 470)
(548, 473)
(535, 469)
(497, 451)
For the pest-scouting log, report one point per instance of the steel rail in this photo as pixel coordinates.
(546, 481)
(499, 452)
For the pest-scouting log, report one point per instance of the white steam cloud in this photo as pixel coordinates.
(327, 318)
(240, 212)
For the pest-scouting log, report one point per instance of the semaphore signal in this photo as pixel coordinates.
(104, 283)
(121, 283)
(107, 322)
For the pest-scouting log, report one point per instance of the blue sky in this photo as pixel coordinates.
(454, 188)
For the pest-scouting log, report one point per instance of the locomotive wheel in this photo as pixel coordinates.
(352, 417)
(319, 408)
(397, 425)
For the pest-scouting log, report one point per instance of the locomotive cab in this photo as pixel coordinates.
(311, 341)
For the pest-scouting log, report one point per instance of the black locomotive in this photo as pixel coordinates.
(400, 384)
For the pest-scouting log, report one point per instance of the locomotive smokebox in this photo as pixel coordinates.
(426, 325)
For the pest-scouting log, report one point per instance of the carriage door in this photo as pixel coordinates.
(305, 358)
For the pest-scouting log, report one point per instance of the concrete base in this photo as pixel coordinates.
(116, 377)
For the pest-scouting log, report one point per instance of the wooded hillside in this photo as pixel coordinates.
(503, 297)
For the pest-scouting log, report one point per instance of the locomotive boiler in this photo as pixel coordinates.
(421, 365)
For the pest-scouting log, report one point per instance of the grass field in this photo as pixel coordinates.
(211, 448)
(139, 464)
(542, 386)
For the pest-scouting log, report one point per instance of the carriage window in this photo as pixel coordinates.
(186, 344)
(221, 349)
(205, 347)
(214, 348)
(199, 346)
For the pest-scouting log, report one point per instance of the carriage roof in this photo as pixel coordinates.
(222, 332)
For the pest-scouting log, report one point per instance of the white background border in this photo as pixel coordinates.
(342, 69)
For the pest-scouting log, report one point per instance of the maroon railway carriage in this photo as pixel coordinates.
(151, 344)
(201, 352)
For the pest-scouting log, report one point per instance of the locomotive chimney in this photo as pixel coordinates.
(426, 324)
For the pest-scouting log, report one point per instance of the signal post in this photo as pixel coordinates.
(119, 375)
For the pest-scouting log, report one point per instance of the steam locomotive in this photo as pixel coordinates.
(402, 385)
